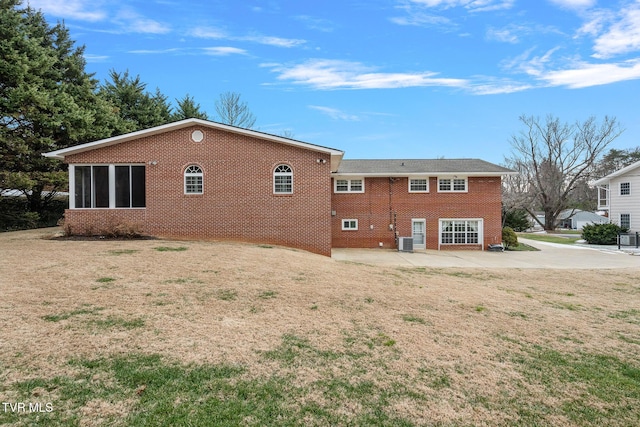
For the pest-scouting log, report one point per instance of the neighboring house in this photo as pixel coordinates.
(201, 179)
(619, 194)
(574, 219)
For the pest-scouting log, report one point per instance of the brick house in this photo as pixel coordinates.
(201, 179)
(441, 203)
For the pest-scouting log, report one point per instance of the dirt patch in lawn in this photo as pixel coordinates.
(461, 339)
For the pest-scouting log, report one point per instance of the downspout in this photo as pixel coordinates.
(392, 214)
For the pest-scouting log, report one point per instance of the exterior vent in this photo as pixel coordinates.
(405, 244)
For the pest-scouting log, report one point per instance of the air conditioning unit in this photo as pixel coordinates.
(628, 240)
(405, 244)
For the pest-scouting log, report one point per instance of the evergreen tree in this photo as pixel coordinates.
(137, 107)
(187, 109)
(47, 102)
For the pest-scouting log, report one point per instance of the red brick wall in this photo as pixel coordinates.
(382, 199)
(238, 201)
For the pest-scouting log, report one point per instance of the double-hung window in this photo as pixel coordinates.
(452, 185)
(625, 221)
(342, 185)
(625, 188)
(108, 186)
(418, 185)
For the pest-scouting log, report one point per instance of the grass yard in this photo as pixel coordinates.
(152, 333)
(551, 238)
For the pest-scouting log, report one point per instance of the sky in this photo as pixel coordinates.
(378, 79)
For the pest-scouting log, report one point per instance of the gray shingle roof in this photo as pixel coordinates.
(420, 166)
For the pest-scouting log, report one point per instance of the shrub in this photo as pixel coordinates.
(509, 237)
(602, 234)
(517, 219)
(112, 228)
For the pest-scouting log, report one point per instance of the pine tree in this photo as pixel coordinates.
(137, 107)
(187, 109)
(47, 102)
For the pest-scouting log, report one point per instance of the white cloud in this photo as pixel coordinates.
(81, 10)
(224, 51)
(326, 74)
(317, 24)
(215, 33)
(155, 52)
(574, 4)
(505, 35)
(586, 75)
(533, 66)
(421, 19)
(208, 33)
(417, 14)
(131, 21)
(622, 37)
(471, 5)
(335, 114)
(514, 33)
(128, 20)
(497, 87)
(272, 41)
(90, 58)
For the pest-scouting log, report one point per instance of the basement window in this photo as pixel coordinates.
(349, 224)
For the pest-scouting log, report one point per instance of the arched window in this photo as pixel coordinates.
(283, 179)
(193, 180)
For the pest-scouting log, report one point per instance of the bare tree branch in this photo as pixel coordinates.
(553, 158)
(234, 112)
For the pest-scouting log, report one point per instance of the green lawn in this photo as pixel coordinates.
(550, 238)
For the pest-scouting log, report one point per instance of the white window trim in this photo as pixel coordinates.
(274, 174)
(349, 228)
(620, 189)
(335, 184)
(112, 185)
(184, 179)
(620, 219)
(418, 177)
(480, 232)
(452, 178)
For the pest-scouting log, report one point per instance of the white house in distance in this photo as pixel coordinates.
(575, 219)
(619, 193)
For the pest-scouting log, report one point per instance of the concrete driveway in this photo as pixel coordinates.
(551, 255)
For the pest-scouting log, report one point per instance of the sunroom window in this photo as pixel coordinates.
(108, 186)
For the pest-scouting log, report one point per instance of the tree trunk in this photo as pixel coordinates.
(550, 220)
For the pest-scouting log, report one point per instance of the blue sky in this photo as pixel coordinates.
(378, 79)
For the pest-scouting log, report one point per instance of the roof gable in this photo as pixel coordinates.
(336, 155)
(623, 171)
